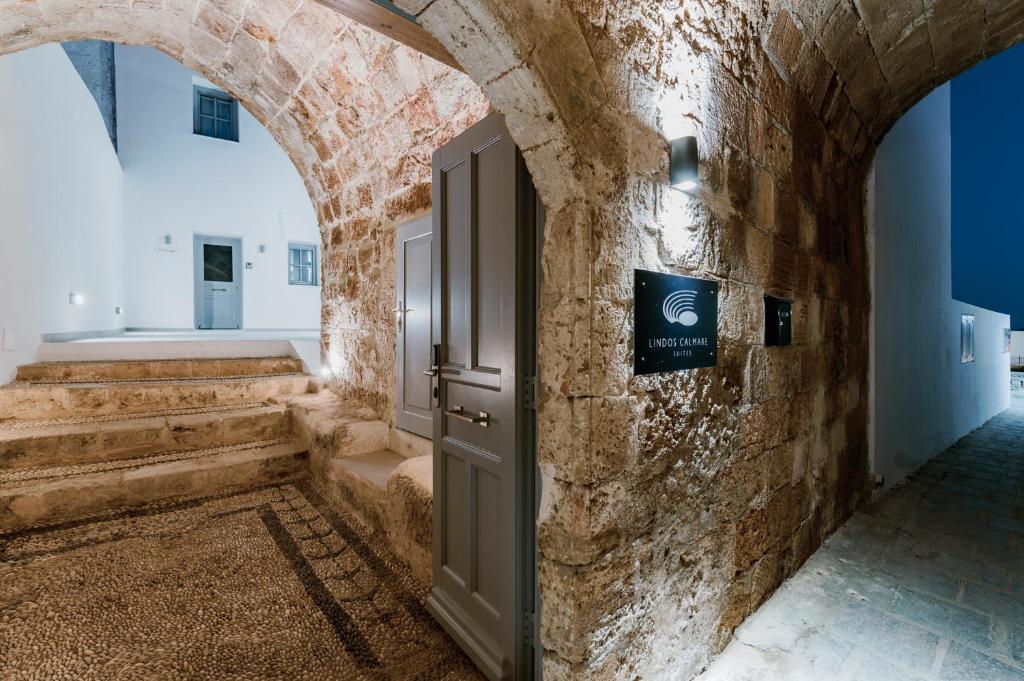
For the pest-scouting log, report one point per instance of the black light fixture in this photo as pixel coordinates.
(682, 163)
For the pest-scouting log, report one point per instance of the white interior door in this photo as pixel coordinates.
(218, 282)
(413, 321)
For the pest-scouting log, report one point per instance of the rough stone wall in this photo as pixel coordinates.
(94, 61)
(386, 178)
(674, 504)
(358, 114)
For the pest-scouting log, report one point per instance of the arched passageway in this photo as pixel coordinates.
(673, 504)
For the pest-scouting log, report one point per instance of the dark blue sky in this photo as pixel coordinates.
(987, 120)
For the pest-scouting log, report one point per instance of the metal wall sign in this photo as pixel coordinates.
(675, 322)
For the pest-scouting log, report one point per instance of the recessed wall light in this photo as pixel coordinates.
(76, 299)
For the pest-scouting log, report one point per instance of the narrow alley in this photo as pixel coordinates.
(927, 582)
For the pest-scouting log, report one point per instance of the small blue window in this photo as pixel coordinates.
(302, 266)
(214, 114)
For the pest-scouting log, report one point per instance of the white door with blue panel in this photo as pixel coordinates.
(218, 282)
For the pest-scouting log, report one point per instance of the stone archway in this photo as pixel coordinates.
(335, 96)
(357, 113)
(675, 504)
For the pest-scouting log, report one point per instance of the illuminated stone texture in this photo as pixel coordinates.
(675, 504)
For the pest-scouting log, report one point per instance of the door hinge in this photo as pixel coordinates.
(529, 627)
(531, 392)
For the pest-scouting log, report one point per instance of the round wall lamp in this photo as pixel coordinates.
(683, 160)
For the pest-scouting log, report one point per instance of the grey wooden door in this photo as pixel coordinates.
(484, 226)
(218, 282)
(413, 285)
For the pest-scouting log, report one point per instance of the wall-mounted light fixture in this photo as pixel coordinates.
(683, 161)
(76, 299)
(167, 239)
(263, 248)
(118, 310)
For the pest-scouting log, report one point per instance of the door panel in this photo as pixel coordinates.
(218, 282)
(483, 446)
(456, 189)
(413, 314)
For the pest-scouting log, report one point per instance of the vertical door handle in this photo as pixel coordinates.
(398, 316)
(434, 373)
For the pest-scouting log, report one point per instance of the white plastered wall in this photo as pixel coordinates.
(181, 184)
(923, 398)
(60, 202)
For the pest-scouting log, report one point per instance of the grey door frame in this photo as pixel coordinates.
(405, 418)
(197, 275)
(519, 660)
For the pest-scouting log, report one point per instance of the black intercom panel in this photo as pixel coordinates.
(778, 321)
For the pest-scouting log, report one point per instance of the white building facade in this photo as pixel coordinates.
(99, 241)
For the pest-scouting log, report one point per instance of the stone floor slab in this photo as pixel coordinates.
(925, 583)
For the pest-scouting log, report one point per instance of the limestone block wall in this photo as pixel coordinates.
(385, 178)
(674, 504)
(678, 502)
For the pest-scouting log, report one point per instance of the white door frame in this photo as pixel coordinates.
(197, 275)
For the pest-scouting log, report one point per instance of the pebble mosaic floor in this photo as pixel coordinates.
(267, 584)
(924, 584)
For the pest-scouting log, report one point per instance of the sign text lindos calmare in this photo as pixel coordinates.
(675, 322)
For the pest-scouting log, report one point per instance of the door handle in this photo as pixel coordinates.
(400, 313)
(221, 290)
(435, 366)
(430, 372)
(481, 419)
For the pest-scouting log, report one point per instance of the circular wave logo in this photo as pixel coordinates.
(679, 308)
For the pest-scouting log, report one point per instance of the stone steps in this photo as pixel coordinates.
(167, 369)
(362, 481)
(409, 514)
(381, 475)
(44, 496)
(85, 439)
(29, 401)
(28, 444)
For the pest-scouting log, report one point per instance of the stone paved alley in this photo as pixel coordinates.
(925, 583)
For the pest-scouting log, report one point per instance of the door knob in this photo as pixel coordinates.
(430, 372)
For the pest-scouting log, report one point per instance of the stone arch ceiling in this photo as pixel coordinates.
(887, 55)
(324, 86)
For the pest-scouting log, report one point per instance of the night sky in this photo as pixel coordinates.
(987, 120)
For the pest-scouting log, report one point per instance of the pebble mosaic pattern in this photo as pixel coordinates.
(268, 584)
(105, 418)
(924, 584)
(20, 475)
(171, 379)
